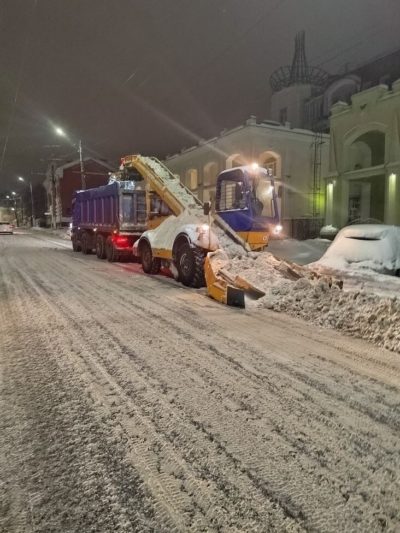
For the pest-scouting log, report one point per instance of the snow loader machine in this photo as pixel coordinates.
(184, 236)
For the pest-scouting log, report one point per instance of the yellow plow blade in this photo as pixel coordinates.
(223, 286)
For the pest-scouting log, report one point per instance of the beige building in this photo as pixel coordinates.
(363, 181)
(297, 158)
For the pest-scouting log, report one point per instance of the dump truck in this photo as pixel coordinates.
(109, 219)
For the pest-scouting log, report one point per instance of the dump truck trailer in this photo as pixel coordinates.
(109, 219)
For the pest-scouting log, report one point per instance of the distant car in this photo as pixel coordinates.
(367, 246)
(6, 227)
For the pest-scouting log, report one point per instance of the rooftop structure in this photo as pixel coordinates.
(299, 72)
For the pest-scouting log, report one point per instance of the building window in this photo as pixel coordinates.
(235, 160)
(270, 164)
(368, 150)
(210, 174)
(191, 179)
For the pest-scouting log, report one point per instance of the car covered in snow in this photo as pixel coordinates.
(6, 227)
(367, 246)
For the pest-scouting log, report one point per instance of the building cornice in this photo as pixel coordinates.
(250, 124)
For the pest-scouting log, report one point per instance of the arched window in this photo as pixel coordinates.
(234, 160)
(210, 173)
(191, 179)
(368, 150)
(271, 161)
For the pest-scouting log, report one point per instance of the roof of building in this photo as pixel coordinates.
(76, 162)
(250, 123)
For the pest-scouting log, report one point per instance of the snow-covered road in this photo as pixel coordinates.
(130, 403)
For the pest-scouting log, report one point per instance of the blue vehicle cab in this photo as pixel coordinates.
(247, 201)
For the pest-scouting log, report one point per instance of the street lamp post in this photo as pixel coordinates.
(62, 133)
(20, 178)
(14, 198)
(83, 177)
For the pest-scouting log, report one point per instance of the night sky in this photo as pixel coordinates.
(153, 76)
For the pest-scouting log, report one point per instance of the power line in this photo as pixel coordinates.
(361, 41)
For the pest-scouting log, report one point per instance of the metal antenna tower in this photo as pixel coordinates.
(298, 73)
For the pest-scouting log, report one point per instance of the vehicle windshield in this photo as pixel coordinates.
(262, 196)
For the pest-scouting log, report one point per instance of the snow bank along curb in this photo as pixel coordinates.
(62, 233)
(361, 314)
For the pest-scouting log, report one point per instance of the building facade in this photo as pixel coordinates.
(61, 183)
(297, 158)
(363, 181)
(340, 88)
(303, 95)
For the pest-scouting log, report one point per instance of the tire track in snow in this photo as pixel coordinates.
(230, 427)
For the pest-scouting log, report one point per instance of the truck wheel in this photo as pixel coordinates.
(190, 265)
(100, 247)
(86, 249)
(75, 246)
(150, 264)
(111, 252)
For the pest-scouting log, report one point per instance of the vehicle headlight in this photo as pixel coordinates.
(277, 229)
(204, 228)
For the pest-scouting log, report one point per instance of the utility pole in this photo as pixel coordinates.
(61, 132)
(53, 197)
(14, 198)
(83, 177)
(32, 205)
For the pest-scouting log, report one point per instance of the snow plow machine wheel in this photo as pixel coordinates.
(190, 265)
(150, 264)
(100, 247)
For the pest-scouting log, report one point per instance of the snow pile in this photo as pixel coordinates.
(366, 246)
(230, 247)
(163, 237)
(328, 231)
(361, 314)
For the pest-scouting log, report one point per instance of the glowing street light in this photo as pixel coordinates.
(59, 131)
